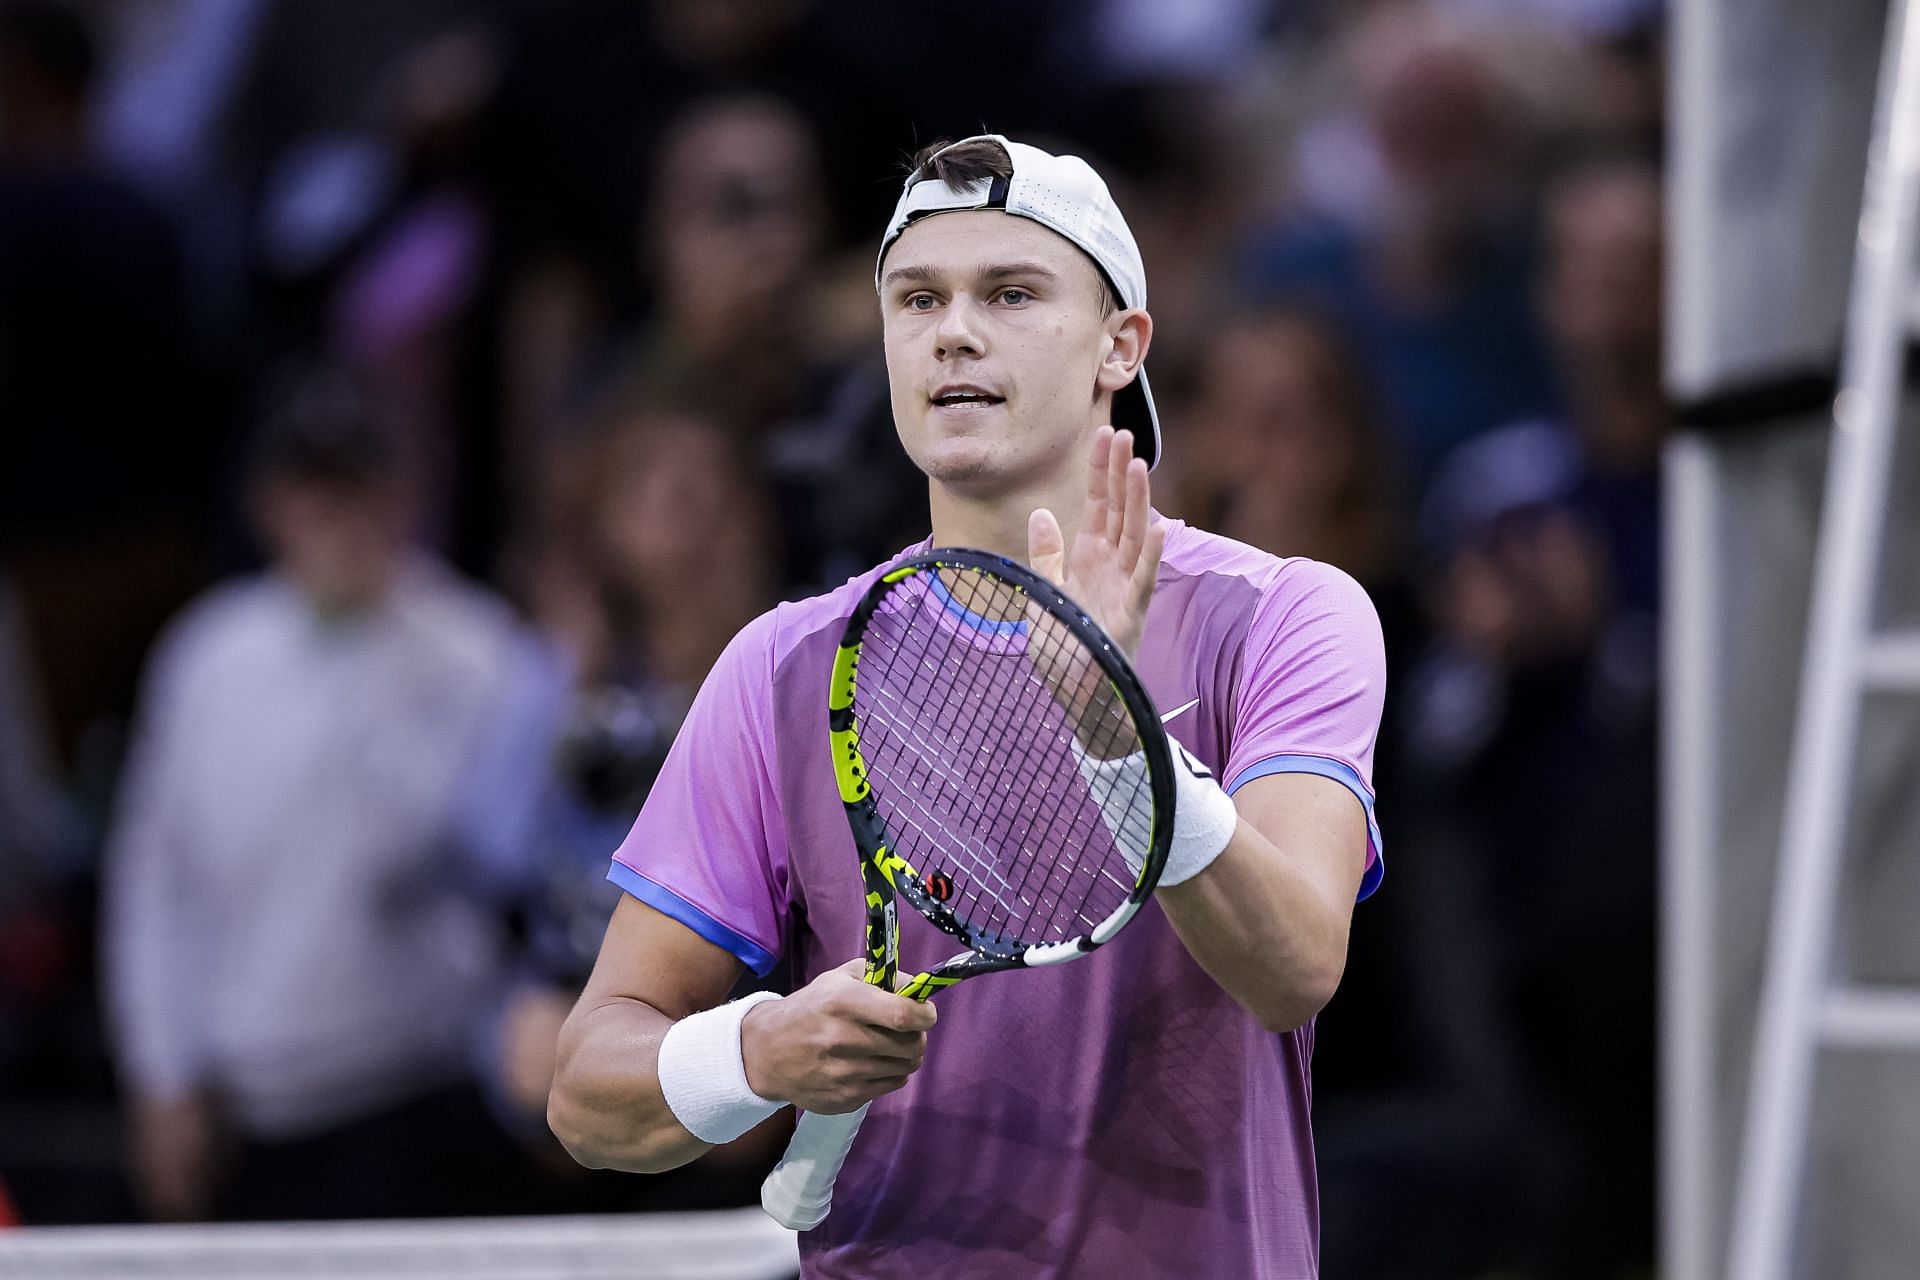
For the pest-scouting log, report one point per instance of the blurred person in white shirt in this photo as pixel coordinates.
(292, 983)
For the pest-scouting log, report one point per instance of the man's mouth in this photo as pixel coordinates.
(965, 398)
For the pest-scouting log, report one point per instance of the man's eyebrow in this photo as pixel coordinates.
(1000, 271)
(920, 274)
(916, 274)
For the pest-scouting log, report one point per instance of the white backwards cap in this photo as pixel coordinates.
(1065, 195)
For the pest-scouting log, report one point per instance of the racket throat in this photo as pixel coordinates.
(922, 986)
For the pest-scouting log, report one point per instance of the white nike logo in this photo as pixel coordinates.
(1184, 707)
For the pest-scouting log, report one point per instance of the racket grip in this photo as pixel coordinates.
(799, 1192)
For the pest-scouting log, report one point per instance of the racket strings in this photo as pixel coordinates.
(959, 703)
(1061, 653)
(992, 814)
(1105, 740)
(932, 825)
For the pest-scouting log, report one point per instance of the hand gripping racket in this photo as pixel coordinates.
(1004, 771)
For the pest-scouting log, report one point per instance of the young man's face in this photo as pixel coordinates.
(997, 353)
(337, 542)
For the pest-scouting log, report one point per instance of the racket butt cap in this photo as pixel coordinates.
(798, 1194)
(786, 1203)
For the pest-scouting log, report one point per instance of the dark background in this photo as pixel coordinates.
(582, 256)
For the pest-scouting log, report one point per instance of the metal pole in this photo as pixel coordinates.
(1693, 349)
(1852, 522)
(1689, 837)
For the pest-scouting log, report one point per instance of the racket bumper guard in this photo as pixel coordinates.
(1111, 925)
(1053, 953)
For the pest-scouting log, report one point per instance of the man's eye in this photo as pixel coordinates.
(1014, 297)
(920, 302)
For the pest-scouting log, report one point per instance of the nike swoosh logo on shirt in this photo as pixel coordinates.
(1182, 708)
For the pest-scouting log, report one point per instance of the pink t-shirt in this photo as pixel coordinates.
(1116, 1117)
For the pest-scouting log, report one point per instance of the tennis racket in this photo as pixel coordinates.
(1003, 771)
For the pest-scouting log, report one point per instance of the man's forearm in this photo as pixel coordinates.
(606, 1106)
(1265, 928)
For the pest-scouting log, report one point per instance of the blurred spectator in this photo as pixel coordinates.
(292, 967)
(1532, 722)
(104, 454)
(570, 202)
(1601, 294)
(402, 303)
(742, 335)
(662, 548)
(1284, 450)
(1188, 166)
(570, 197)
(1415, 230)
(1549, 529)
(663, 552)
(732, 243)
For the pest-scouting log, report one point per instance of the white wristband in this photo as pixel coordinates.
(703, 1077)
(1119, 787)
(1204, 818)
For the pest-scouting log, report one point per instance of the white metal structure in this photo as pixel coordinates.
(1802, 1009)
(1688, 769)
(721, 1244)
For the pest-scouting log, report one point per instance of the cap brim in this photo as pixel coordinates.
(1134, 410)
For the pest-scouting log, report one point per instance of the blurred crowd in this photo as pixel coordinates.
(401, 405)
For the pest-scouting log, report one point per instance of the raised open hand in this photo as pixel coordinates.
(1110, 569)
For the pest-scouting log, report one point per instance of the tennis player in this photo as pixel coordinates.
(1144, 1113)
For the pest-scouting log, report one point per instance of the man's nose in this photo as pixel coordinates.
(959, 330)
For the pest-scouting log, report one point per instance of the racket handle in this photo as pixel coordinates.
(799, 1191)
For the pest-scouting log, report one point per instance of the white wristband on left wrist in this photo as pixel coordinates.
(703, 1077)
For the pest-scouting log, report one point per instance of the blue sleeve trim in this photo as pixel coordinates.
(669, 903)
(1346, 777)
(968, 616)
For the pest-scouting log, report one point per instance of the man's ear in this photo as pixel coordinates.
(1132, 333)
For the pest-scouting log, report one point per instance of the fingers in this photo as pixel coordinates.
(835, 1043)
(899, 1046)
(860, 1001)
(898, 1013)
(856, 1093)
(1118, 495)
(1118, 509)
(891, 1036)
(1133, 529)
(1094, 518)
(1046, 548)
(1147, 573)
(884, 1050)
(1119, 454)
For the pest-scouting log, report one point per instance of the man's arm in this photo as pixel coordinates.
(1269, 917)
(829, 1047)
(157, 959)
(606, 1107)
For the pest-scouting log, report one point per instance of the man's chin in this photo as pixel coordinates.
(965, 467)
